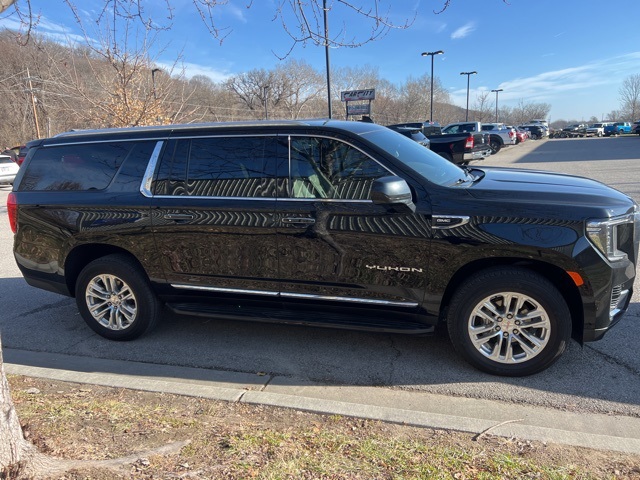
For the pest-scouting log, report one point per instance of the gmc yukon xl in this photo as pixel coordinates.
(325, 223)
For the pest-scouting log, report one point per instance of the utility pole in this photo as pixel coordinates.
(33, 104)
(326, 54)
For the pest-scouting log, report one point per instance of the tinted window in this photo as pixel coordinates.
(428, 164)
(75, 167)
(327, 168)
(218, 167)
(462, 128)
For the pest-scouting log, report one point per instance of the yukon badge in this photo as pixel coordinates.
(394, 269)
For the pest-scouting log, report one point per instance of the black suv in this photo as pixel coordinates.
(341, 224)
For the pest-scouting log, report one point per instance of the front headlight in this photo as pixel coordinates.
(605, 234)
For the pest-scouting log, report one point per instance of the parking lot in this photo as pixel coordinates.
(602, 377)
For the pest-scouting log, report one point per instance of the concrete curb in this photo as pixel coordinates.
(602, 432)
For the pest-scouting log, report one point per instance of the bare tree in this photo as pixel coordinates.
(304, 22)
(525, 111)
(630, 97)
(301, 86)
(483, 108)
(415, 95)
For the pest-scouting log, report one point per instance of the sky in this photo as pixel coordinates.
(571, 54)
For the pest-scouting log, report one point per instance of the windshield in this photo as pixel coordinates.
(427, 164)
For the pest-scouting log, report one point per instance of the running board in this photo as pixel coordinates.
(395, 324)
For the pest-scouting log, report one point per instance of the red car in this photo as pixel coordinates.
(521, 135)
(21, 152)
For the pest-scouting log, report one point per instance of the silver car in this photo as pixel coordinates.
(8, 169)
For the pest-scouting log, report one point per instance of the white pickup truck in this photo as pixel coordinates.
(500, 135)
(596, 129)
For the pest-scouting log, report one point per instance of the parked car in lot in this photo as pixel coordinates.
(521, 135)
(8, 169)
(325, 223)
(574, 130)
(20, 152)
(459, 145)
(536, 132)
(635, 128)
(501, 135)
(414, 133)
(617, 128)
(596, 129)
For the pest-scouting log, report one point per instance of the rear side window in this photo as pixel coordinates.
(75, 167)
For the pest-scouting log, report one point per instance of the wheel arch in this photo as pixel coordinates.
(82, 255)
(495, 136)
(556, 275)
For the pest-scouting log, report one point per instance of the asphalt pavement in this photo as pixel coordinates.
(590, 397)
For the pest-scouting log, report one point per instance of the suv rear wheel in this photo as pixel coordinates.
(509, 321)
(115, 298)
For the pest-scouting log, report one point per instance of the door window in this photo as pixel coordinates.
(330, 169)
(219, 167)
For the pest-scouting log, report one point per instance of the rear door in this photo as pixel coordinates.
(214, 213)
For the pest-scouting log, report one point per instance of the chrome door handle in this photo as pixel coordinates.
(178, 216)
(300, 220)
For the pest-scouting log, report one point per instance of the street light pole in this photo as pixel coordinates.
(153, 81)
(432, 54)
(468, 74)
(497, 90)
(265, 90)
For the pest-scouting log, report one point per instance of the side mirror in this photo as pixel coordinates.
(392, 191)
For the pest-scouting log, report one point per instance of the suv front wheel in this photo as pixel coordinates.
(115, 298)
(509, 321)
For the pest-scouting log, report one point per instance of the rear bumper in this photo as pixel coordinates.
(477, 154)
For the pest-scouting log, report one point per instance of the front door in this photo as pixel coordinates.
(333, 242)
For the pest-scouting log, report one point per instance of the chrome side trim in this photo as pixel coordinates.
(367, 301)
(364, 301)
(201, 197)
(145, 186)
(91, 142)
(263, 199)
(224, 290)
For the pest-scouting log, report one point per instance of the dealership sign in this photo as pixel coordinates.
(358, 109)
(352, 95)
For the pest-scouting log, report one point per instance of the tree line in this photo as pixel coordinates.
(51, 88)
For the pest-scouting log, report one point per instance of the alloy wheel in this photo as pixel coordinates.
(509, 327)
(111, 302)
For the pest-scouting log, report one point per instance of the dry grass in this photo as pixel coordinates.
(244, 441)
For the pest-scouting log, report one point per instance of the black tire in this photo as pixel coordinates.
(479, 304)
(495, 146)
(131, 308)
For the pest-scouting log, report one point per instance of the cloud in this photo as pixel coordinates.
(52, 31)
(236, 12)
(463, 31)
(590, 78)
(193, 69)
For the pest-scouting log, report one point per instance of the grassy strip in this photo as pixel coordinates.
(244, 441)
